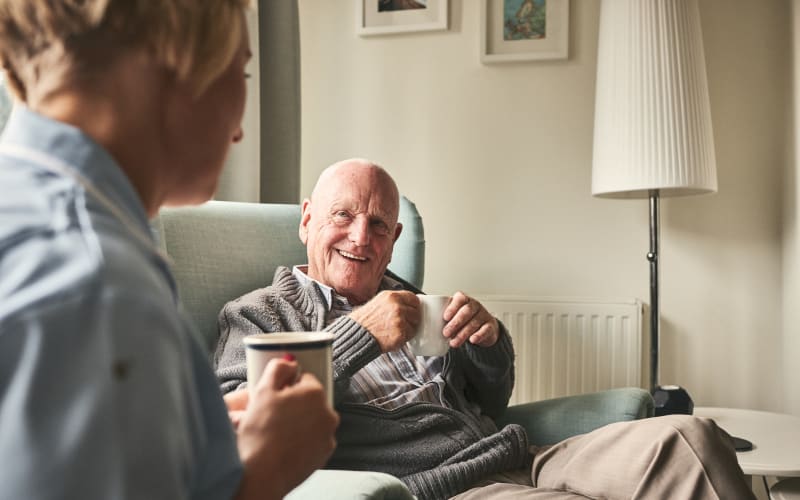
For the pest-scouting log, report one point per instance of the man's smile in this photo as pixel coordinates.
(350, 256)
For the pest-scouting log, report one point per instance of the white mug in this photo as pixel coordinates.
(428, 339)
(313, 351)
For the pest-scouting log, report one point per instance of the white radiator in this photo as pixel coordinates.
(570, 346)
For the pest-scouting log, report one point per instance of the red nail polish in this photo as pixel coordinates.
(289, 357)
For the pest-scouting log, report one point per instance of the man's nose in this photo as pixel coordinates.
(359, 231)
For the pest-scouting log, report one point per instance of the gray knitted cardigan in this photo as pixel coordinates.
(437, 451)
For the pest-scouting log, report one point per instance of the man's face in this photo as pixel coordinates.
(349, 228)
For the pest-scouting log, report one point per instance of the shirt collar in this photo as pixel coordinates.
(329, 293)
(74, 147)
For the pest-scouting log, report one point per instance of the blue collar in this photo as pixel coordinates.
(71, 145)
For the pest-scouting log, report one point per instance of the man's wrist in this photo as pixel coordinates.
(353, 346)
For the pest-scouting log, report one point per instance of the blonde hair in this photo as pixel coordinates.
(47, 43)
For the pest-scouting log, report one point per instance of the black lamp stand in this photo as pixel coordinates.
(668, 399)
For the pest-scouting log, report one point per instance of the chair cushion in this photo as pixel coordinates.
(221, 250)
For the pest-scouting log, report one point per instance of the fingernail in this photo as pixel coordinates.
(289, 357)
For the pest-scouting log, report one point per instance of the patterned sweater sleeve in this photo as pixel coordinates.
(284, 306)
(488, 373)
(238, 319)
(353, 348)
(287, 306)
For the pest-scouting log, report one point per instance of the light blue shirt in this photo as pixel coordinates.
(105, 392)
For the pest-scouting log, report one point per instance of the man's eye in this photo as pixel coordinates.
(380, 228)
(341, 216)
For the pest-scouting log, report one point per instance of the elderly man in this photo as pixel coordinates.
(429, 420)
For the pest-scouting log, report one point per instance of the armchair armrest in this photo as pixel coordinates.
(348, 484)
(552, 420)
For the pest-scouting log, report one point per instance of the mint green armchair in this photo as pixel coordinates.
(221, 250)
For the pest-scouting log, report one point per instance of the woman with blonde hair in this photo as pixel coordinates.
(124, 106)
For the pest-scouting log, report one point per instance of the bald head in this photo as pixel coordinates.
(349, 226)
(357, 171)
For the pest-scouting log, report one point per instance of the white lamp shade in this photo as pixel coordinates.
(652, 127)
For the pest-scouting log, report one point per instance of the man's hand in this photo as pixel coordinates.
(285, 430)
(467, 319)
(391, 317)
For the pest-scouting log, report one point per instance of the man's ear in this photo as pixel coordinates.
(305, 217)
(397, 230)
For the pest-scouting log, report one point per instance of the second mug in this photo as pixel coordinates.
(428, 339)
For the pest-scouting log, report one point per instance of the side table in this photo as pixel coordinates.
(774, 437)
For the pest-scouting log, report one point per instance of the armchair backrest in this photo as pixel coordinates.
(221, 250)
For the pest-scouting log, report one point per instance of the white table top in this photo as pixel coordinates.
(775, 438)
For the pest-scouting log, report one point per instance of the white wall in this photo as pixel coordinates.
(748, 57)
(498, 160)
(240, 177)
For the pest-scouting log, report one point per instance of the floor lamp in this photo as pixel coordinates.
(652, 130)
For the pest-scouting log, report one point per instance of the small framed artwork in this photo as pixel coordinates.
(380, 17)
(524, 30)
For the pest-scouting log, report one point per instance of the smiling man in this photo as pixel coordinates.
(429, 420)
(426, 420)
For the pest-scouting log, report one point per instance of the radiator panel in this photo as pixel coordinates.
(571, 346)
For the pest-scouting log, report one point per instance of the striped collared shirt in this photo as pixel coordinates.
(393, 379)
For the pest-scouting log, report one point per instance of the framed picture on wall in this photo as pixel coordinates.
(380, 17)
(524, 30)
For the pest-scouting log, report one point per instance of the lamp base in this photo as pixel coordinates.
(672, 399)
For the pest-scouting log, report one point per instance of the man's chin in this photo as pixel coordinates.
(356, 294)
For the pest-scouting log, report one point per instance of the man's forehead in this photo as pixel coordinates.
(382, 206)
(359, 186)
